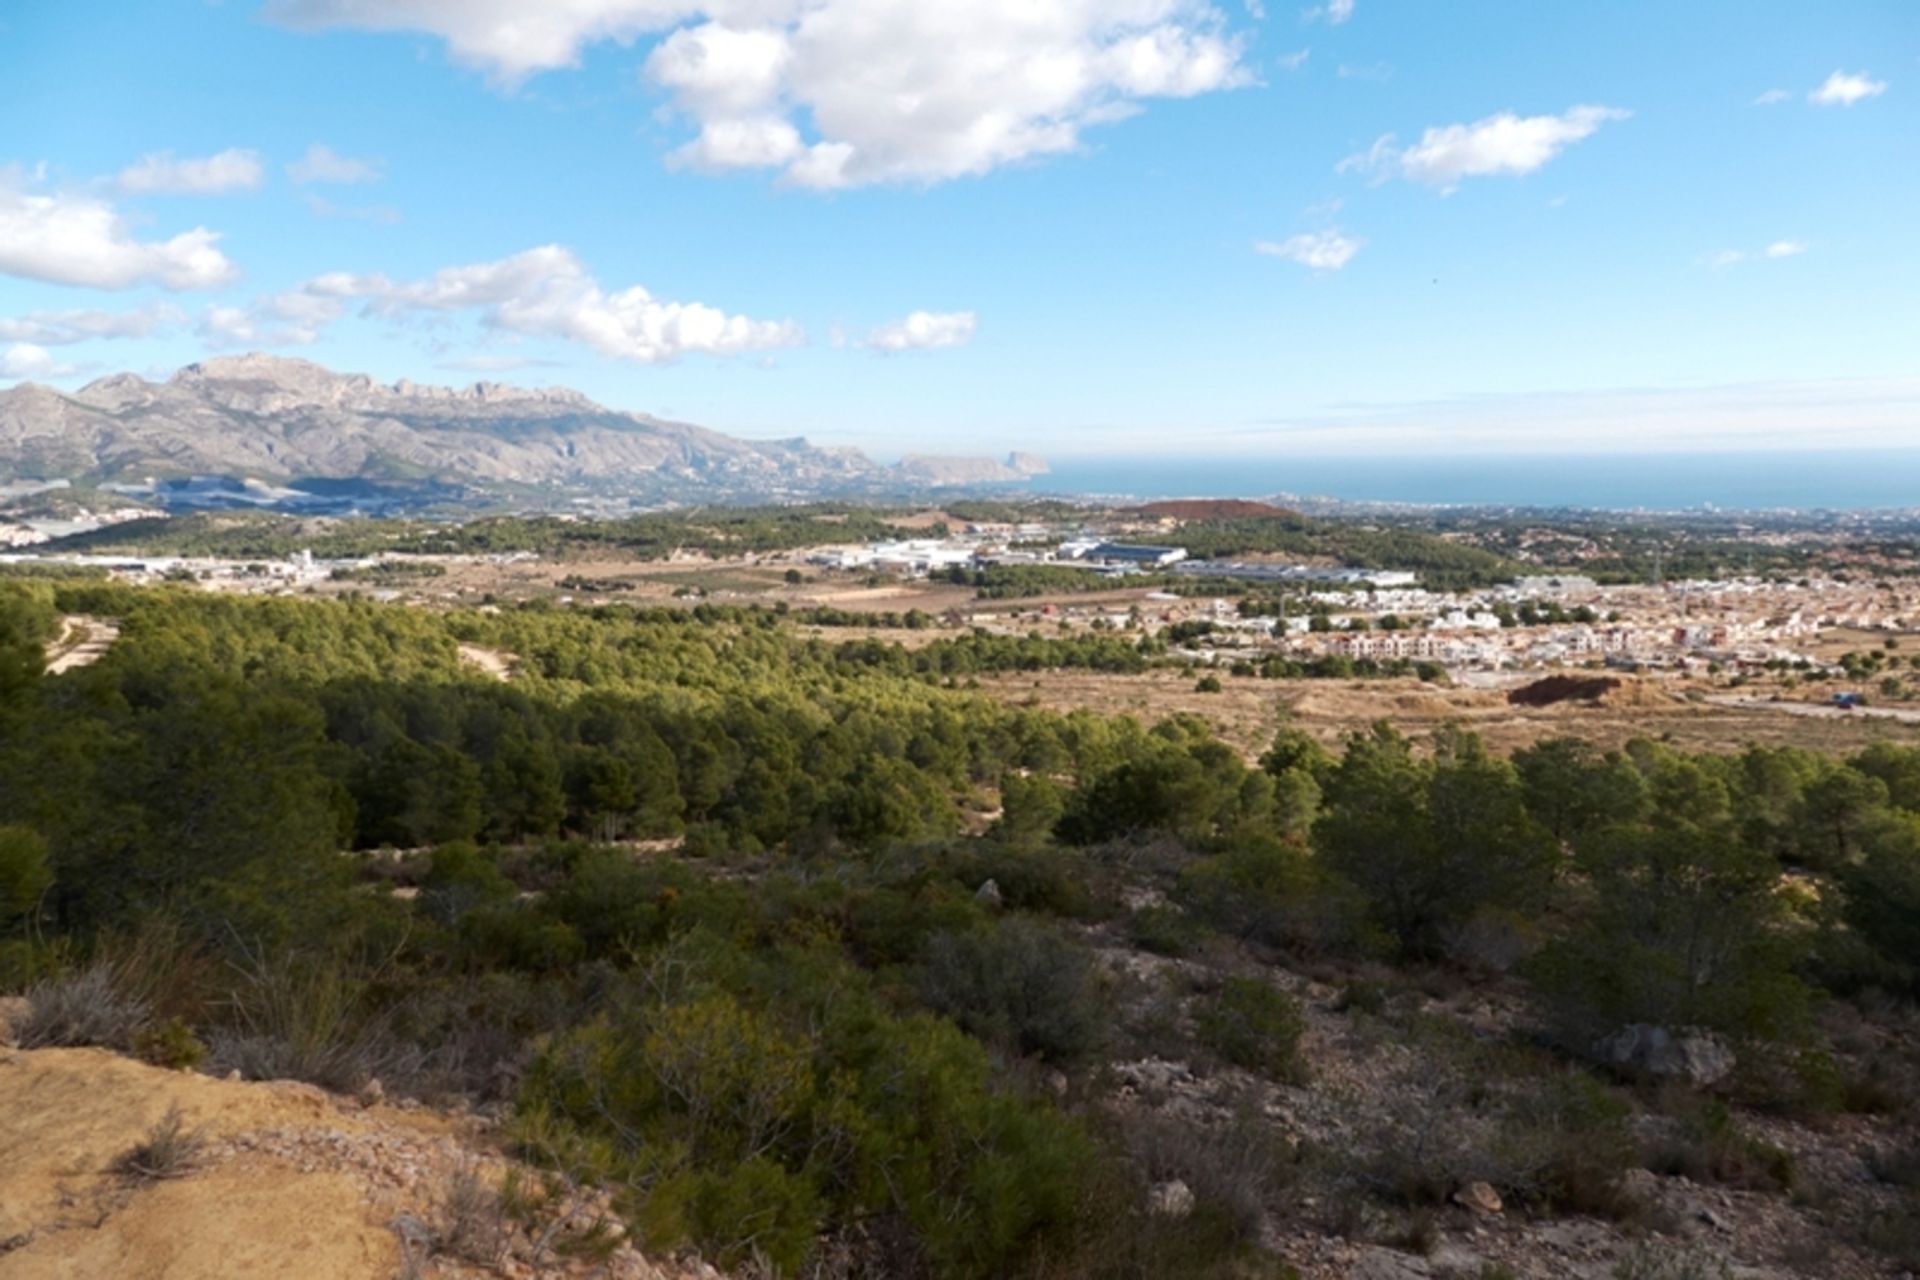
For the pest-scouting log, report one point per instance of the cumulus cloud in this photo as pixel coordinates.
(1295, 60)
(1322, 250)
(25, 360)
(1333, 12)
(1499, 144)
(548, 292)
(510, 39)
(322, 163)
(161, 173)
(1844, 88)
(61, 328)
(840, 93)
(1786, 248)
(290, 319)
(1770, 97)
(924, 331)
(65, 238)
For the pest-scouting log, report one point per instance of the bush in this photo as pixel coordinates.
(170, 1044)
(301, 1021)
(754, 1210)
(471, 1222)
(1018, 984)
(1235, 1169)
(1651, 1262)
(1565, 1146)
(1254, 1025)
(1165, 930)
(1708, 1145)
(84, 1008)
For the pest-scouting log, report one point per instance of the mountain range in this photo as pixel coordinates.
(266, 425)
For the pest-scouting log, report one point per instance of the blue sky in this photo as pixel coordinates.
(1074, 226)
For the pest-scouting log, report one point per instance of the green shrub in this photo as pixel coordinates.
(1017, 984)
(1254, 1025)
(1165, 930)
(753, 1209)
(1708, 1145)
(1564, 1146)
(170, 1044)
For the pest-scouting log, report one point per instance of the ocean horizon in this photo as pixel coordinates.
(1851, 480)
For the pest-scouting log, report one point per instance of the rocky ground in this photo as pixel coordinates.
(1404, 1087)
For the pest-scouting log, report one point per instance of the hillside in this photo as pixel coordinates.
(279, 422)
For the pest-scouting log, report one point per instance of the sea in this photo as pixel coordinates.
(1835, 481)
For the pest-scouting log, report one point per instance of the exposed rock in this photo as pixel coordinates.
(1385, 1264)
(989, 893)
(1698, 1057)
(1171, 1199)
(1478, 1197)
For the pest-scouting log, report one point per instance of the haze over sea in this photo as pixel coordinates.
(1846, 480)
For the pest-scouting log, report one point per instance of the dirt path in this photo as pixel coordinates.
(494, 662)
(83, 641)
(1819, 710)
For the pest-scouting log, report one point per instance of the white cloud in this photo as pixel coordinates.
(1843, 89)
(60, 328)
(510, 39)
(925, 331)
(81, 240)
(1334, 12)
(1295, 60)
(1770, 97)
(322, 163)
(290, 319)
(25, 360)
(1499, 144)
(160, 172)
(1321, 250)
(325, 208)
(1777, 249)
(548, 292)
(839, 93)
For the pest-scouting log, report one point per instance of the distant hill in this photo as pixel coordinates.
(267, 431)
(1218, 509)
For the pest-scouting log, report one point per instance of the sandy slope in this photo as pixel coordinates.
(291, 1182)
(66, 1113)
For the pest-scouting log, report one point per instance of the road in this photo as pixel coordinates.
(1906, 715)
(82, 642)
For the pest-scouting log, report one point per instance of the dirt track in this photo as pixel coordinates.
(83, 642)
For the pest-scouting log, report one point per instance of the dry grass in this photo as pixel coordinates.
(169, 1150)
(1247, 712)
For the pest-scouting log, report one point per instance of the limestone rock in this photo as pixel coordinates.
(1171, 1199)
(1478, 1197)
(1700, 1058)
